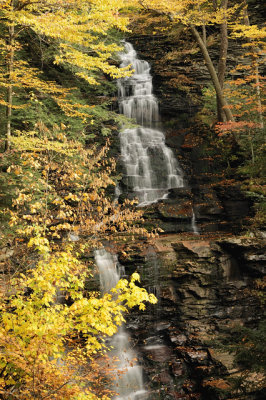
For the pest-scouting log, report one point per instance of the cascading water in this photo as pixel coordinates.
(151, 168)
(128, 383)
(194, 224)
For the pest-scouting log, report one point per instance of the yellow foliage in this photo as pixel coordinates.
(189, 12)
(80, 28)
(39, 347)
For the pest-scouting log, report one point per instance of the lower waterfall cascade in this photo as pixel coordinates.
(194, 224)
(128, 382)
(150, 166)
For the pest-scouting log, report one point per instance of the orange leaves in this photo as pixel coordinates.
(218, 384)
(92, 196)
(64, 188)
(224, 128)
(239, 81)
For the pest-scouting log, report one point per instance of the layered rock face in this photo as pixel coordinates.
(205, 283)
(205, 290)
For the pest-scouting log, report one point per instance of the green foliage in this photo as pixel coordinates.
(249, 347)
(208, 112)
(253, 147)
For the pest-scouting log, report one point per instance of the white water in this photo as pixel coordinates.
(151, 168)
(194, 224)
(129, 382)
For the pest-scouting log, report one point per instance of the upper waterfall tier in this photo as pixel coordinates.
(150, 166)
(135, 92)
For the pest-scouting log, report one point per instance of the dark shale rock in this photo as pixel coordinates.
(204, 288)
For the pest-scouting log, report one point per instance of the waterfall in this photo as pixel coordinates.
(128, 381)
(194, 224)
(151, 168)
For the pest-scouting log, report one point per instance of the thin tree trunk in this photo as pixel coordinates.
(251, 148)
(214, 76)
(256, 68)
(222, 59)
(257, 82)
(204, 33)
(10, 86)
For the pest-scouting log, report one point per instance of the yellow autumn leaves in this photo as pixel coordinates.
(40, 349)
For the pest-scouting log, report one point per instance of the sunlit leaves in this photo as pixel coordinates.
(39, 347)
(189, 12)
(78, 28)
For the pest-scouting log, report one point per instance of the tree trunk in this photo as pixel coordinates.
(256, 68)
(222, 60)
(214, 77)
(204, 33)
(257, 82)
(10, 69)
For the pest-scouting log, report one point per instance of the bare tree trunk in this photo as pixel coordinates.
(204, 33)
(222, 59)
(257, 82)
(214, 76)
(256, 68)
(10, 68)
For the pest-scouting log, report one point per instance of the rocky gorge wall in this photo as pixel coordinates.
(205, 288)
(211, 190)
(206, 284)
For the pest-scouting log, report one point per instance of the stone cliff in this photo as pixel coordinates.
(207, 284)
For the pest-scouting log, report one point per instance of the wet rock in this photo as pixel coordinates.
(169, 293)
(199, 292)
(180, 340)
(164, 377)
(177, 368)
(175, 211)
(230, 268)
(162, 326)
(158, 353)
(180, 193)
(200, 248)
(202, 296)
(197, 356)
(225, 358)
(255, 257)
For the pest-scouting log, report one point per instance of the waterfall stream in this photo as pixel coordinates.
(128, 382)
(194, 224)
(151, 168)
